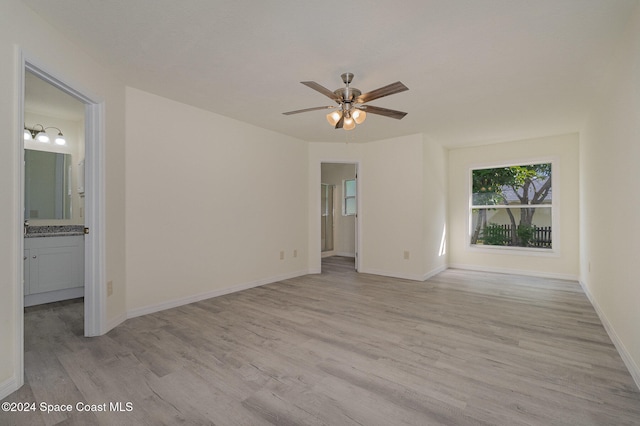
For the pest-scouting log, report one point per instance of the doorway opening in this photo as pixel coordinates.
(93, 211)
(339, 224)
(54, 150)
(89, 182)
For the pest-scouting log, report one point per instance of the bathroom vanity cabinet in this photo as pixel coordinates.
(53, 269)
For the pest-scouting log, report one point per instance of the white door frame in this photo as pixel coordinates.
(94, 271)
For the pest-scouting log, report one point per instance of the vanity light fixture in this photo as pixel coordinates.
(60, 137)
(27, 134)
(41, 135)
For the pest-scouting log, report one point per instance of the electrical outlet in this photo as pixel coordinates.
(407, 255)
(109, 288)
(281, 254)
(295, 252)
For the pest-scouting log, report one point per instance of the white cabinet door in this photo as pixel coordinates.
(53, 263)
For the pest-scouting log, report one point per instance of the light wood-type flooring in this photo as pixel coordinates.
(339, 348)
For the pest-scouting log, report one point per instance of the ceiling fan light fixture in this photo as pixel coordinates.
(333, 117)
(359, 116)
(349, 124)
(350, 109)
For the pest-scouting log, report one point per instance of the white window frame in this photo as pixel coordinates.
(554, 251)
(345, 197)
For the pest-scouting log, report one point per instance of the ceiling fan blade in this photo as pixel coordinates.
(340, 122)
(387, 90)
(392, 113)
(319, 88)
(298, 111)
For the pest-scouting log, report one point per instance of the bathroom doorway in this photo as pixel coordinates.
(54, 193)
(339, 223)
(91, 184)
(94, 308)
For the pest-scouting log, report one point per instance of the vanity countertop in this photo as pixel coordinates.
(54, 231)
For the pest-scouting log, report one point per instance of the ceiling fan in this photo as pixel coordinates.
(351, 109)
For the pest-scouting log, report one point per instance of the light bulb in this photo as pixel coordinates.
(333, 117)
(349, 124)
(43, 137)
(359, 116)
(27, 135)
(60, 139)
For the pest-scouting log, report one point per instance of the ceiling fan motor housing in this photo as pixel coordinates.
(347, 94)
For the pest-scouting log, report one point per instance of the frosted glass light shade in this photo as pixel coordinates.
(359, 116)
(27, 135)
(60, 140)
(43, 137)
(333, 117)
(349, 124)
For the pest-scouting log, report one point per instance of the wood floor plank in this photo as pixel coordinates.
(462, 348)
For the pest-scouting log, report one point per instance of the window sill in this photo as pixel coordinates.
(515, 251)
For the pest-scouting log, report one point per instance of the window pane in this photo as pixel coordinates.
(350, 206)
(349, 188)
(515, 185)
(495, 227)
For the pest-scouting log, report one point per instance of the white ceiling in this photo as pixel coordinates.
(477, 70)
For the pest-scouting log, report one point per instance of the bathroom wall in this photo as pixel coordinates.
(73, 132)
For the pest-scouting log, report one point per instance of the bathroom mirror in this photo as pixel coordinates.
(47, 186)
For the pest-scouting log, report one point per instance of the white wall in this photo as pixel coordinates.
(208, 212)
(60, 57)
(610, 201)
(434, 192)
(397, 178)
(345, 226)
(563, 263)
(391, 181)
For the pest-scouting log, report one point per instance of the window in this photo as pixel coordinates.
(349, 201)
(512, 206)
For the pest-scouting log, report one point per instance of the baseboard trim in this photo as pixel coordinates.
(412, 277)
(344, 254)
(631, 365)
(149, 309)
(541, 274)
(114, 322)
(8, 387)
(434, 272)
(53, 296)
